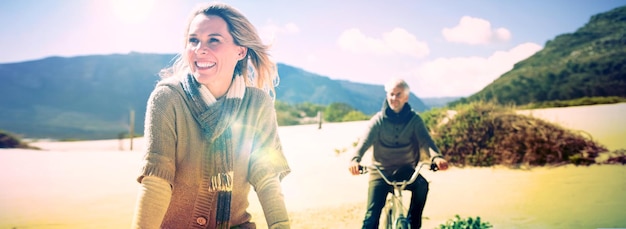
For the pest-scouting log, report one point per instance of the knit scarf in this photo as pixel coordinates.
(215, 118)
(403, 117)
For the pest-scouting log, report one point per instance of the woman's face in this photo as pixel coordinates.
(212, 52)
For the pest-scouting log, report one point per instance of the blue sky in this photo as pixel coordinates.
(442, 48)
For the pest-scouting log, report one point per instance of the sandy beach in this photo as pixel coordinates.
(91, 184)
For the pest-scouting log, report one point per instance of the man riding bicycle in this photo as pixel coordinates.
(397, 134)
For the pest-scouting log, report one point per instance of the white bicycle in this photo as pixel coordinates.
(394, 212)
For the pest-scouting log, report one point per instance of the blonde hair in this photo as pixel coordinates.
(262, 74)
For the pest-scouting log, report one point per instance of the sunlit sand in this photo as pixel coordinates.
(91, 184)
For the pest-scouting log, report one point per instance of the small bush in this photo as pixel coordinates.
(486, 134)
(468, 223)
(284, 118)
(617, 157)
(354, 116)
(8, 140)
(335, 112)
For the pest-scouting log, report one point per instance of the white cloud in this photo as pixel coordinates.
(397, 41)
(502, 34)
(475, 31)
(463, 76)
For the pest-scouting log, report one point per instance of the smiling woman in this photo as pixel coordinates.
(132, 11)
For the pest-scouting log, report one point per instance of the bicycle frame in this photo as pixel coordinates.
(394, 209)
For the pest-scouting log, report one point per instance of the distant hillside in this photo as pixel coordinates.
(587, 63)
(90, 97)
(87, 97)
(438, 101)
(298, 86)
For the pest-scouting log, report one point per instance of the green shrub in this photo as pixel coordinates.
(354, 116)
(287, 115)
(336, 111)
(486, 134)
(433, 116)
(617, 157)
(8, 140)
(310, 109)
(303, 113)
(285, 118)
(468, 223)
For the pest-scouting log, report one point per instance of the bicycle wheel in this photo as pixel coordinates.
(402, 223)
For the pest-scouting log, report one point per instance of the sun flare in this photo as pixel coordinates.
(132, 11)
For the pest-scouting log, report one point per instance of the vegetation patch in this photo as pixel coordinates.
(487, 134)
(307, 113)
(589, 62)
(8, 140)
(615, 157)
(584, 101)
(467, 223)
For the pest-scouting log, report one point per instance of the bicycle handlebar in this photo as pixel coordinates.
(404, 183)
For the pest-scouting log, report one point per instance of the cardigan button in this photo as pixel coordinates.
(201, 221)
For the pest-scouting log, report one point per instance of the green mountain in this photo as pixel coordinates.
(298, 86)
(434, 102)
(590, 62)
(90, 97)
(87, 97)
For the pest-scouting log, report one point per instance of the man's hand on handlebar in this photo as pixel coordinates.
(438, 164)
(354, 168)
(441, 163)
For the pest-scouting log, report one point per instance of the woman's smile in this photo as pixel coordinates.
(204, 65)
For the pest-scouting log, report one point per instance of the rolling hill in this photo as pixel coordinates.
(90, 97)
(590, 62)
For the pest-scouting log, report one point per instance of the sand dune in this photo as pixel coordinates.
(604, 123)
(91, 185)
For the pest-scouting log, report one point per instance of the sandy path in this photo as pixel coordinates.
(54, 192)
(54, 189)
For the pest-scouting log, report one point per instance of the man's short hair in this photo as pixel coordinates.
(397, 82)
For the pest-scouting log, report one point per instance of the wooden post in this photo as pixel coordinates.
(120, 137)
(132, 128)
(319, 120)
